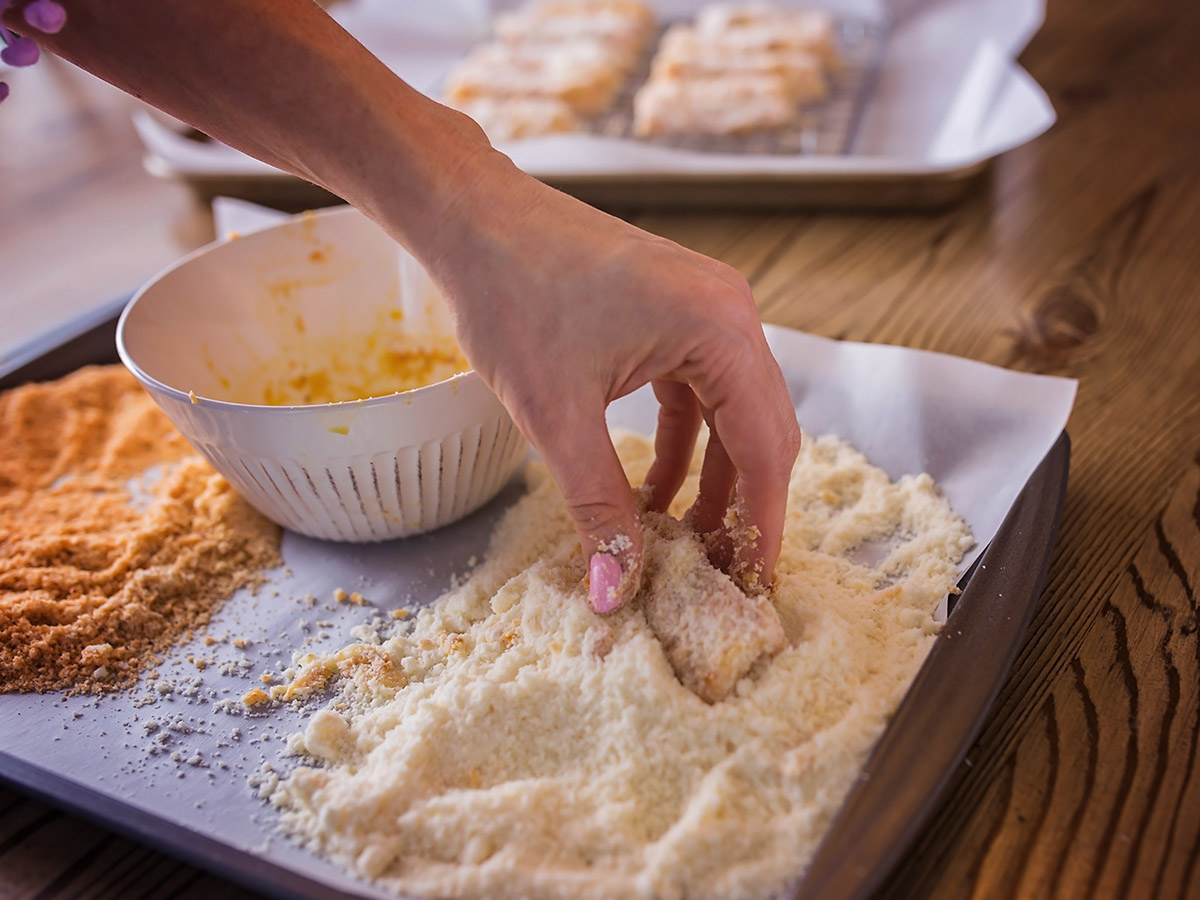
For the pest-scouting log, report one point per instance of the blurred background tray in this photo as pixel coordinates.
(921, 108)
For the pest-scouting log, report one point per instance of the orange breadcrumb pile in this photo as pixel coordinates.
(115, 538)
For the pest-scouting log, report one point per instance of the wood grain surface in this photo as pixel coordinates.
(1079, 256)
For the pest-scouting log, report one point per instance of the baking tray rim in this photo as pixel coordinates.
(914, 191)
(915, 172)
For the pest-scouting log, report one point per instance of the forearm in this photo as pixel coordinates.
(559, 307)
(281, 81)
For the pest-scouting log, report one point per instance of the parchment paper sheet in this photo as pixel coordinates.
(979, 430)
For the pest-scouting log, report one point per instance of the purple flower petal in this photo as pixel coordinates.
(21, 52)
(46, 16)
(3, 90)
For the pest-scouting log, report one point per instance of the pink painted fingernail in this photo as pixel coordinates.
(604, 582)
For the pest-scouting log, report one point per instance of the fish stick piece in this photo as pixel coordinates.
(518, 118)
(684, 54)
(720, 16)
(626, 34)
(632, 10)
(580, 75)
(731, 104)
(711, 632)
(616, 56)
(759, 26)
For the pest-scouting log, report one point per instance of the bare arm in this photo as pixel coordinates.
(281, 81)
(560, 308)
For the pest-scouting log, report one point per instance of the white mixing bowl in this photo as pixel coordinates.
(320, 284)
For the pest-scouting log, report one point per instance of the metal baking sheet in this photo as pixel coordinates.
(169, 765)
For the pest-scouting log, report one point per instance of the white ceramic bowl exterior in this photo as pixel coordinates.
(367, 470)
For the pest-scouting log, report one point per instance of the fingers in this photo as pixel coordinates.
(717, 478)
(678, 425)
(576, 446)
(761, 441)
(753, 421)
(734, 383)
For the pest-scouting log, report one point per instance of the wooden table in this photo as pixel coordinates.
(1080, 257)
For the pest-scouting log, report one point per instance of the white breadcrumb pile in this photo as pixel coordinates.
(508, 742)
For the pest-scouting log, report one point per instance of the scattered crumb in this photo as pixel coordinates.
(255, 697)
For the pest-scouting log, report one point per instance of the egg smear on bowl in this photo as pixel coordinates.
(313, 363)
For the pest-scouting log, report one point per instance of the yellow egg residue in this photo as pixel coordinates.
(344, 369)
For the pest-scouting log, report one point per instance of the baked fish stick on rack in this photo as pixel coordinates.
(551, 67)
(517, 118)
(634, 10)
(583, 76)
(761, 26)
(725, 105)
(627, 25)
(685, 53)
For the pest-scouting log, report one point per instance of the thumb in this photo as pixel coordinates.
(579, 452)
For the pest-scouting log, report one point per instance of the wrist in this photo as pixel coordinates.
(419, 172)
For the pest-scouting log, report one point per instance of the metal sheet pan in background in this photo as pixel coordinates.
(828, 128)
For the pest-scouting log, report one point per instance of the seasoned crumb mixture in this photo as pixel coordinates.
(115, 537)
(507, 742)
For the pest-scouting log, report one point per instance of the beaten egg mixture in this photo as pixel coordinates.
(338, 370)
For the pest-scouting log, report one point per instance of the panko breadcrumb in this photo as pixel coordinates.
(508, 742)
(116, 539)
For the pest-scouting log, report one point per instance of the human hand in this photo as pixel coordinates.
(563, 309)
